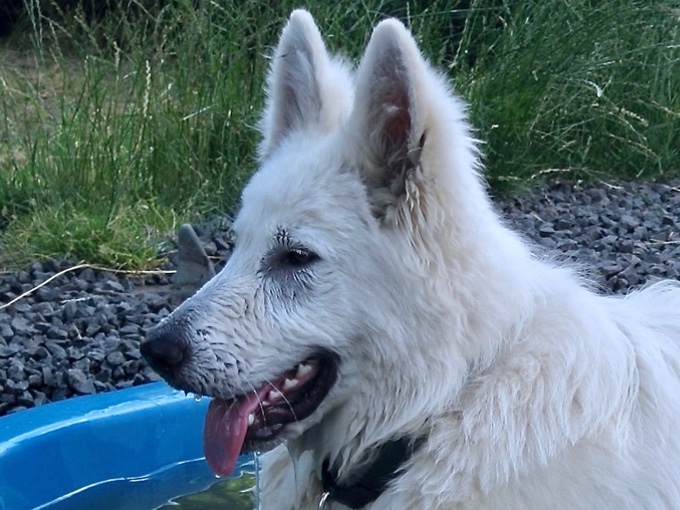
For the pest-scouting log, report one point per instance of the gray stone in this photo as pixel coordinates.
(194, 268)
(79, 382)
(6, 331)
(115, 359)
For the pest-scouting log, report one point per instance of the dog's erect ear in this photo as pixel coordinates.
(293, 96)
(389, 117)
(305, 87)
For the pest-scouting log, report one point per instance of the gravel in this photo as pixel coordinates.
(80, 333)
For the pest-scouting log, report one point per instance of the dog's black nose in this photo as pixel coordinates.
(165, 348)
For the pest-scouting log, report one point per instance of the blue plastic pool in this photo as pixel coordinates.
(136, 448)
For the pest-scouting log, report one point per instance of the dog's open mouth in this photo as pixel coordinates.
(241, 424)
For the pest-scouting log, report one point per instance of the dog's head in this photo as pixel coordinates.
(343, 242)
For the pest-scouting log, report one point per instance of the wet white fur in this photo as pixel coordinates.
(533, 392)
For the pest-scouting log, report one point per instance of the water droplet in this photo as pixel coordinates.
(197, 398)
(256, 456)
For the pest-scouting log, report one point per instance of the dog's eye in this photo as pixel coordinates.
(298, 257)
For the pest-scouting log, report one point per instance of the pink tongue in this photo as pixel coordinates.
(225, 430)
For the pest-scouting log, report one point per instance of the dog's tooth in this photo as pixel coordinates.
(274, 395)
(289, 384)
(302, 370)
(251, 419)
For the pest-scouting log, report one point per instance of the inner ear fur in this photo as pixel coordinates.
(386, 116)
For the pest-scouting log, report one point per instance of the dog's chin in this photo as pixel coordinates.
(281, 409)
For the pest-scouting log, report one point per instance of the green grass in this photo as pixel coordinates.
(584, 88)
(115, 130)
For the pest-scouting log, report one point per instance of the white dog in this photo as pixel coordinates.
(405, 348)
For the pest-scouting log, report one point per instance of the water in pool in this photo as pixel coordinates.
(232, 494)
(185, 486)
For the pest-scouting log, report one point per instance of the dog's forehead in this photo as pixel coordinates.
(305, 187)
